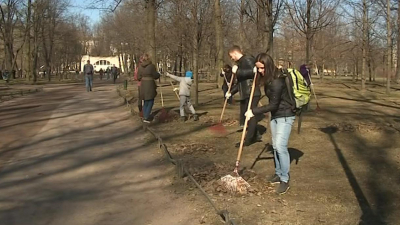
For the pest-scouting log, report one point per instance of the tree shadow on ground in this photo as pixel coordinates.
(294, 153)
(368, 215)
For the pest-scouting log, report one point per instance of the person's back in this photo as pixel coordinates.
(114, 70)
(88, 69)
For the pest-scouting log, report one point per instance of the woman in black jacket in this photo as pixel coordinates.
(226, 72)
(282, 116)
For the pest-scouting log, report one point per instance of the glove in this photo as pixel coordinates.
(228, 95)
(222, 71)
(176, 89)
(234, 69)
(255, 69)
(249, 114)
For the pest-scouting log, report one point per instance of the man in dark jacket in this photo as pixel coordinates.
(114, 72)
(245, 75)
(88, 73)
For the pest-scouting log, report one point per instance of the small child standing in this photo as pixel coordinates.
(184, 93)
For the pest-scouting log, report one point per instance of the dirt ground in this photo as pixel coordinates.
(68, 156)
(345, 164)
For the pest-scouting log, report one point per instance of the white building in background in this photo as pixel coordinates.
(101, 62)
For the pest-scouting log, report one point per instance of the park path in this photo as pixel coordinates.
(72, 157)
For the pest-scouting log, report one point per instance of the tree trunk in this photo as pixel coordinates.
(195, 52)
(397, 79)
(219, 40)
(242, 35)
(309, 33)
(364, 44)
(151, 29)
(28, 46)
(389, 48)
(270, 28)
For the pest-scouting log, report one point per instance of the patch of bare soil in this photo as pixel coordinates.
(337, 160)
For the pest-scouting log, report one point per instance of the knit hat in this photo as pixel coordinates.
(189, 74)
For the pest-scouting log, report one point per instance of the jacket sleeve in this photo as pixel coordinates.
(235, 89)
(139, 74)
(179, 79)
(276, 89)
(245, 70)
(156, 75)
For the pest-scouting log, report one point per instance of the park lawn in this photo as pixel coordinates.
(345, 163)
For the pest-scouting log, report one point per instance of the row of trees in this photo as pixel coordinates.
(41, 35)
(355, 37)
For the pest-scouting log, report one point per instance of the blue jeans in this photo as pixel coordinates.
(280, 130)
(147, 106)
(89, 82)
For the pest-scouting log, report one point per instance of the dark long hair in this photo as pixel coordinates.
(271, 72)
(227, 68)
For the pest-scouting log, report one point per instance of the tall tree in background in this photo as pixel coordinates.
(389, 47)
(365, 29)
(28, 44)
(308, 20)
(151, 28)
(398, 43)
(219, 39)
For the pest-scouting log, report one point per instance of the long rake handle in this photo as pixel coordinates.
(313, 91)
(162, 99)
(175, 91)
(226, 99)
(245, 124)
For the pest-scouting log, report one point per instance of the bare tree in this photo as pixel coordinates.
(308, 20)
(219, 39)
(398, 43)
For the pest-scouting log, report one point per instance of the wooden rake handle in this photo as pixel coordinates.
(245, 123)
(226, 99)
(175, 91)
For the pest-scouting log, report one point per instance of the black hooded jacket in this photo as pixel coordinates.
(245, 76)
(280, 103)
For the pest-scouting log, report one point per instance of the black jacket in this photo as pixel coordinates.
(280, 103)
(244, 76)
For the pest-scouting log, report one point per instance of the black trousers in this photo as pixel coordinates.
(252, 125)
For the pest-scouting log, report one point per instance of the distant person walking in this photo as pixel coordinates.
(114, 72)
(101, 73)
(108, 73)
(147, 74)
(88, 73)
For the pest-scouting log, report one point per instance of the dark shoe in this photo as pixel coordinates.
(183, 118)
(274, 179)
(195, 117)
(282, 188)
(258, 137)
(246, 143)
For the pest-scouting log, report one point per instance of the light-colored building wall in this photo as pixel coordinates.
(101, 62)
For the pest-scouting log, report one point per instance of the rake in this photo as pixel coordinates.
(219, 128)
(318, 109)
(163, 113)
(175, 91)
(235, 183)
